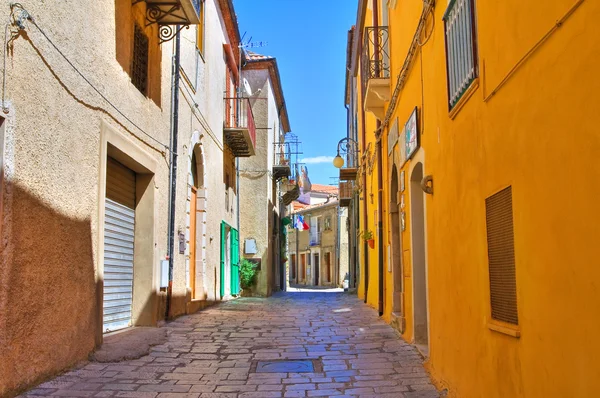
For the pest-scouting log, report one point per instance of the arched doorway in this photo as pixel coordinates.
(197, 212)
(396, 244)
(417, 203)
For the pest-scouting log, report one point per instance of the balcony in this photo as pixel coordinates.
(375, 70)
(346, 193)
(291, 195)
(315, 239)
(239, 130)
(281, 161)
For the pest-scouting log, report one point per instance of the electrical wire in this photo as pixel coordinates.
(428, 5)
(31, 19)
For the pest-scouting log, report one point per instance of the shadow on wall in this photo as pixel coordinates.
(48, 311)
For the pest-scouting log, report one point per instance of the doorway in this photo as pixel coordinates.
(316, 264)
(396, 243)
(119, 238)
(328, 266)
(417, 201)
(197, 210)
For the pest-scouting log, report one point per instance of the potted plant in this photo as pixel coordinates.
(247, 275)
(367, 235)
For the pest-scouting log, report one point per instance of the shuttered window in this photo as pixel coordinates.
(461, 49)
(501, 256)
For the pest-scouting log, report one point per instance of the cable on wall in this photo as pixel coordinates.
(428, 6)
(19, 21)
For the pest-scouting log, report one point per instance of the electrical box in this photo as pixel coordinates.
(164, 273)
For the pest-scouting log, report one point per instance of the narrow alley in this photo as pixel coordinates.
(240, 348)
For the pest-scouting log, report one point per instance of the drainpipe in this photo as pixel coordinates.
(380, 219)
(379, 173)
(173, 170)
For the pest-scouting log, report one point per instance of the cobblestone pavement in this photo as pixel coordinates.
(215, 353)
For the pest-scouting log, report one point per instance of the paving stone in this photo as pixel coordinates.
(214, 354)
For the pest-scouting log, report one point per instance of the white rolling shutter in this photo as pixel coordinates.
(119, 222)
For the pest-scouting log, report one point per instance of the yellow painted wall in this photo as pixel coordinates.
(368, 168)
(538, 134)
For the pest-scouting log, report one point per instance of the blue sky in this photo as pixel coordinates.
(309, 41)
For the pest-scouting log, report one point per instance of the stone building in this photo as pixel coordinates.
(318, 256)
(85, 133)
(260, 206)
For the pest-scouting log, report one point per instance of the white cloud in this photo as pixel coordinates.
(317, 159)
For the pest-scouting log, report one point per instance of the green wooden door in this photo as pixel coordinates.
(235, 262)
(223, 248)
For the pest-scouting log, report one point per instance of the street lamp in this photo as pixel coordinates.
(346, 146)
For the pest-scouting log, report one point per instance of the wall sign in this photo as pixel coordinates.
(412, 134)
(402, 139)
(402, 187)
(250, 246)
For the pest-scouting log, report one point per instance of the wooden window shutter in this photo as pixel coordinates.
(501, 256)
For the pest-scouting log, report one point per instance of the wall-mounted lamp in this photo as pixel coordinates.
(427, 184)
(346, 146)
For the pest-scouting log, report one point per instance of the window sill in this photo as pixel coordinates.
(463, 100)
(501, 327)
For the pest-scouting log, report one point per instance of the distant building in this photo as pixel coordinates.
(260, 206)
(318, 256)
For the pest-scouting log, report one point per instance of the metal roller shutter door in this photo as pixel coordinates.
(119, 222)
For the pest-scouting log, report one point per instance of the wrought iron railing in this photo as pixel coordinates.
(315, 238)
(346, 189)
(281, 154)
(375, 57)
(238, 115)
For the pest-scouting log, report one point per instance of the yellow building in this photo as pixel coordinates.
(488, 254)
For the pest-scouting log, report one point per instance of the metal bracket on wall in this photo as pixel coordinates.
(158, 13)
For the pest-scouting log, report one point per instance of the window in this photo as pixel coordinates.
(139, 66)
(199, 4)
(501, 256)
(461, 51)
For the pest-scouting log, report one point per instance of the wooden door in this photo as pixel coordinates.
(193, 202)
(317, 265)
(328, 262)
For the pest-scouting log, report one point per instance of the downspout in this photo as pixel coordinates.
(173, 169)
(365, 212)
(350, 268)
(296, 232)
(380, 219)
(379, 172)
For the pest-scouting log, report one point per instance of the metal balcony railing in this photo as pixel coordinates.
(315, 238)
(375, 57)
(239, 118)
(346, 192)
(281, 154)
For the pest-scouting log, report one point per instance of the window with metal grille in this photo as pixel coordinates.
(139, 66)
(461, 48)
(501, 256)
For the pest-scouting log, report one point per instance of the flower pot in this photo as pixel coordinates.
(371, 243)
